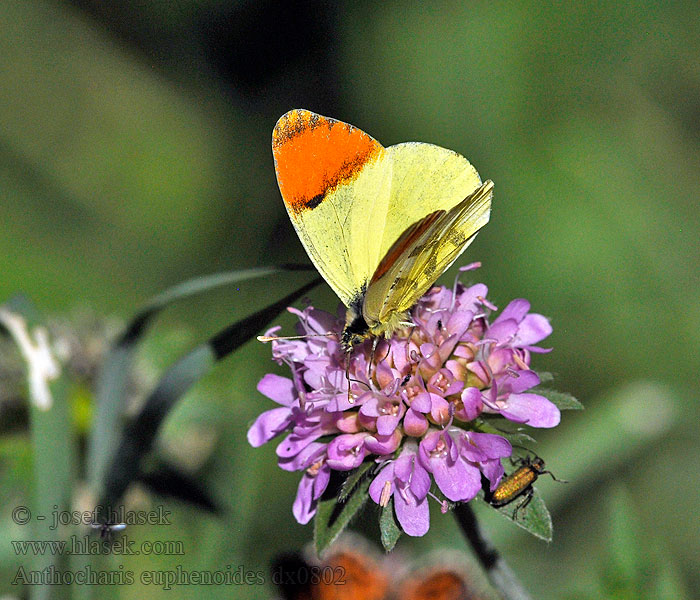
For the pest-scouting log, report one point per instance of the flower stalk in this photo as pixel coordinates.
(495, 567)
(423, 406)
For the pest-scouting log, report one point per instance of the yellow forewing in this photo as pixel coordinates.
(335, 181)
(337, 234)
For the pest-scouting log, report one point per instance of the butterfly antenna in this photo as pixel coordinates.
(272, 338)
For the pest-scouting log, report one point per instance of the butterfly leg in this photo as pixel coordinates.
(375, 341)
(351, 400)
(408, 346)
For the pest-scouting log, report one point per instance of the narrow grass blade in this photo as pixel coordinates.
(167, 481)
(52, 442)
(113, 379)
(138, 436)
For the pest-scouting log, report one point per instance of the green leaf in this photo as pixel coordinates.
(332, 517)
(353, 478)
(388, 527)
(533, 518)
(646, 571)
(139, 434)
(206, 283)
(517, 438)
(545, 376)
(562, 400)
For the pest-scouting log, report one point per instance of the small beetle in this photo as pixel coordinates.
(519, 483)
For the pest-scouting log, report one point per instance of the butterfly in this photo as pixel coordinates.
(380, 224)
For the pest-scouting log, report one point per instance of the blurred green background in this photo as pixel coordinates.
(135, 153)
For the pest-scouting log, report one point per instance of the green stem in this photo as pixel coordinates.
(498, 572)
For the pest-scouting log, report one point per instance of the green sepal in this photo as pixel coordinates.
(389, 530)
(332, 516)
(353, 479)
(516, 438)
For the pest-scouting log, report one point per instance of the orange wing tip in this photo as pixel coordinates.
(294, 123)
(316, 154)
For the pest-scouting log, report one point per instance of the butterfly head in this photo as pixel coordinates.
(356, 329)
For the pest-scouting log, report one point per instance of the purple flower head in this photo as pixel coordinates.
(416, 405)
